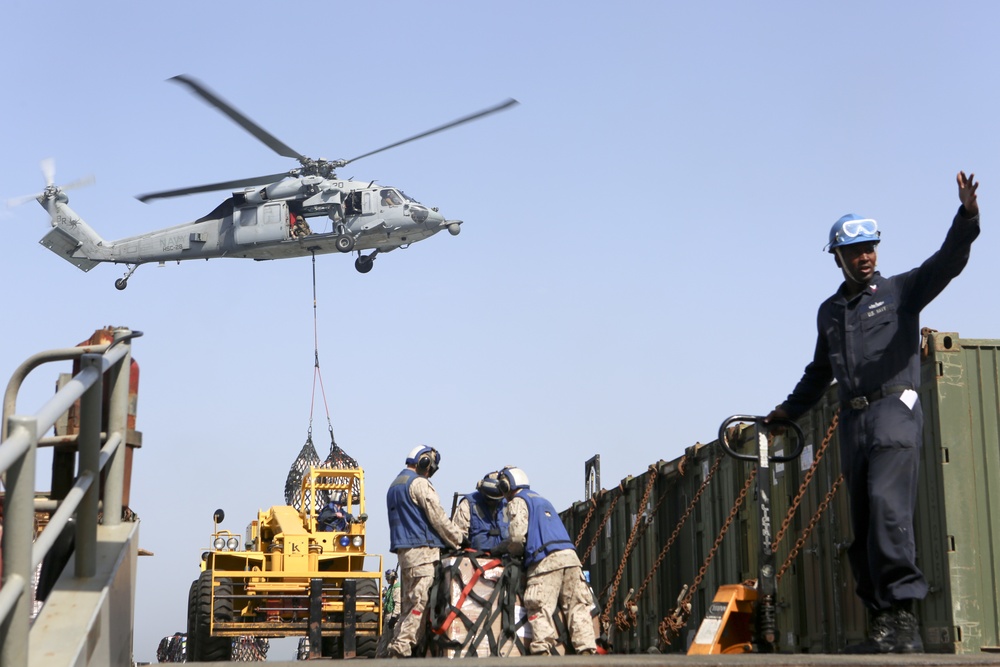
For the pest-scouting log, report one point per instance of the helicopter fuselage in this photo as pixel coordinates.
(294, 217)
(266, 223)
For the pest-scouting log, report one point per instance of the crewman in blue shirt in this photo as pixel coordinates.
(418, 530)
(868, 341)
(481, 514)
(554, 577)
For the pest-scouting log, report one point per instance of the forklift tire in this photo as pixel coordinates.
(208, 648)
(333, 648)
(367, 645)
(192, 622)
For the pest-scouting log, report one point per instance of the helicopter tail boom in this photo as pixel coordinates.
(70, 237)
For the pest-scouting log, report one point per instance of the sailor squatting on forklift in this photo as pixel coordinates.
(868, 341)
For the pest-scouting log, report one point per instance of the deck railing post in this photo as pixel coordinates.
(118, 383)
(18, 535)
(89, 446)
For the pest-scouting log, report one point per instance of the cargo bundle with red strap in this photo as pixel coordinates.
(471, 592)
(476, 609)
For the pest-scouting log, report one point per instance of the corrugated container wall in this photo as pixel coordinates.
(666, 528)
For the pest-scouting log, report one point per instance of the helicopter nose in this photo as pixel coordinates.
(433, 220)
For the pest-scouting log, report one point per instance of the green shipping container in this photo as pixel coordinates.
(957, 524)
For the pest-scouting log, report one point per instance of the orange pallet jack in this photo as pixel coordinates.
(741, 618)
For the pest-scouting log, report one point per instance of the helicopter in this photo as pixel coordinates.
(266, 217)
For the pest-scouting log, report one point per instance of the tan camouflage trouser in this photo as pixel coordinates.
(415, 587)
(569, 589)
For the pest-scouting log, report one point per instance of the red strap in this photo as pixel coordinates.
(453, 614)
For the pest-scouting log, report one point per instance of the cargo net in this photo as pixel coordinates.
(338, 459)
(302, 650)
(172, 648)
(308, 458)
(250, 649)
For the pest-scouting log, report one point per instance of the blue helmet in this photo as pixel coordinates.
(850, 229)
(489, 486)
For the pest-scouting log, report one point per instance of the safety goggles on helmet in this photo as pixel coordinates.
(852, 229)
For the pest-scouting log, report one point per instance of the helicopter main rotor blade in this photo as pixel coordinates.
(227, 185)
(465, 119)
(275, 144)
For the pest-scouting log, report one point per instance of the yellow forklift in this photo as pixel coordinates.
(298, 573)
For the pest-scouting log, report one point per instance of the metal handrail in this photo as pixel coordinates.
(22, 553)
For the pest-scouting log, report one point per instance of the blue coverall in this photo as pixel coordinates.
(869, 343)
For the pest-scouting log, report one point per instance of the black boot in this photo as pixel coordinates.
(907, 628)
(881, 635)
(894, 630)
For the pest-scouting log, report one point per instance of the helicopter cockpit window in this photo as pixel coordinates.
(407, 197)
(390, 198)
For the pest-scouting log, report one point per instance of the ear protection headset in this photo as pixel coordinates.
(425, 459)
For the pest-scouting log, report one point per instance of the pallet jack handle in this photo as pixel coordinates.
(766, 631)
(760, 427)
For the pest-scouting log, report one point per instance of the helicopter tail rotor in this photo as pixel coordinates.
(51, 190)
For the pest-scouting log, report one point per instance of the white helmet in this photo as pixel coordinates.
(424, 458)
(512, 479)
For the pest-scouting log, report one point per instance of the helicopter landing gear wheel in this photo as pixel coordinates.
(364, 263)
(345, 243)
(122, 283)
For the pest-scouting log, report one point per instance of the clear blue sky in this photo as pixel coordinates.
(642, 248)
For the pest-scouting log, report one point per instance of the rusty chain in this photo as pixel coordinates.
(799, 543)
(607, 515)
(590, 514)
(673, 623)
(676, 620)
(630, 543)
(652, 513)
(804, 486)
(629, 621)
